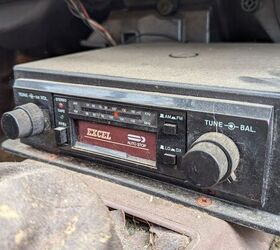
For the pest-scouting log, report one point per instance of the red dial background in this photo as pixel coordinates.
(136, 143)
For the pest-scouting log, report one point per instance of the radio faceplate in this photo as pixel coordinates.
(155, 140)
(209, 124)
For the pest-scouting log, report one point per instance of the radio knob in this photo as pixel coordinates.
(25, 120)
(213, 157)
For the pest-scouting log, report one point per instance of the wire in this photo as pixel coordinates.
(78, 10)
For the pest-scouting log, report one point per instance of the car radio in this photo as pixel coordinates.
(205, 117)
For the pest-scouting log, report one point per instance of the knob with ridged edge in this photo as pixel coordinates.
(212, 158)
(24, 121)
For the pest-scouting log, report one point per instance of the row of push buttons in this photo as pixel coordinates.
(169, 129)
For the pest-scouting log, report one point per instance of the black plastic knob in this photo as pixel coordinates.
(212, 158)
(24, 121)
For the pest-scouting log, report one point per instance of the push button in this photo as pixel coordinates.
(169, 159)
(170, 129)
(61, 135)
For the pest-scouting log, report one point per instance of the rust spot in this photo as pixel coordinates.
(203, 201)
(52, 157)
